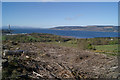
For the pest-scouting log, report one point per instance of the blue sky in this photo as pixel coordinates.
(52, 14)
(60, 0)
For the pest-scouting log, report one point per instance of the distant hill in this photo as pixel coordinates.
(88, 28)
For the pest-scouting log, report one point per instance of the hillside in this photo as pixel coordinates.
(88, 28)
(37, 55)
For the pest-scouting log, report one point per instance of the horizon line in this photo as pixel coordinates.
(59, 26)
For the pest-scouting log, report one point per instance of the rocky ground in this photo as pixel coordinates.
(52, 61)
(0, 62)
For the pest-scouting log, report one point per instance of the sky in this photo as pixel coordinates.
(0, 16)
(52, 14)
(60, 0)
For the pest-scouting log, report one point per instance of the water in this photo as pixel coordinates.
(76, 34)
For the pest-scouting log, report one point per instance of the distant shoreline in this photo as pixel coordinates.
(88, 28)
(83, 30)
(66, 33)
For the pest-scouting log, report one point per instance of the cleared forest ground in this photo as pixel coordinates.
(35, 60)
(53, 61)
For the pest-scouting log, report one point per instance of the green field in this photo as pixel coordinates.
(66, 44)
(100, 45)
(109, 48)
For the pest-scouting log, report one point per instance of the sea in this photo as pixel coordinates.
(71, 33)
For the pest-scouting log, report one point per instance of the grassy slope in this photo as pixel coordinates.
(107, 47)
(52, 39)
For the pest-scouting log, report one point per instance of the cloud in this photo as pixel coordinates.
(73, 18)
(68, 18)
(47, 0)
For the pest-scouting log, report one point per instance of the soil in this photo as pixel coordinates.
(53, 61)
